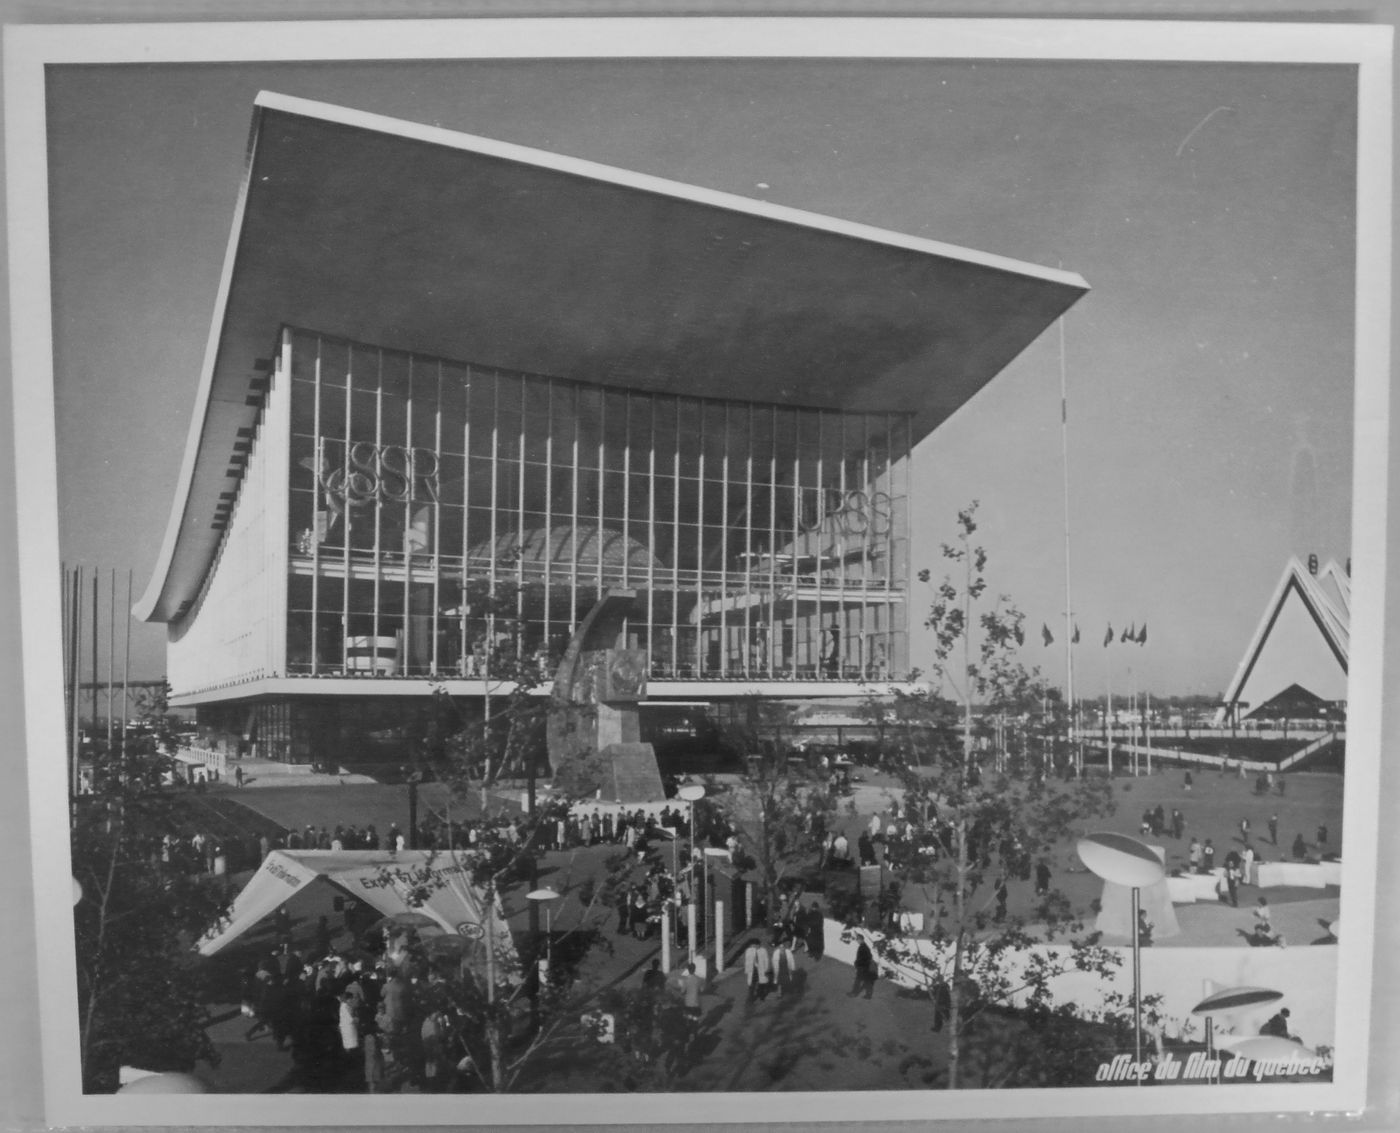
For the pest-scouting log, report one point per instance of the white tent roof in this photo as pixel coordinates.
(1303, 638)
(435, 883)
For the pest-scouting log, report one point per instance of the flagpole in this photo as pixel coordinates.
(1147, 732)
(1069, 605)
(1108, 713)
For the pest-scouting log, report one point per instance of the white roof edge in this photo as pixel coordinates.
(147, 606)
(1340, 579)
(560, 163)
(1327, 619)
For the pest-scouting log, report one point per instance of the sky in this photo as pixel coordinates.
(1210, 206)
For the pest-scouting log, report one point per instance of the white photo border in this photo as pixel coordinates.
(30, 49)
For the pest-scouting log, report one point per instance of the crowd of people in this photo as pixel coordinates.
(352, 1023)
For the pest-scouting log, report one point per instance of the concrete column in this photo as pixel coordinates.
(666, 942)
(748, 904)
(690, 926)
(719, 937)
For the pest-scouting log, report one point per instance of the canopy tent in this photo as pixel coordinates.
(436, 883)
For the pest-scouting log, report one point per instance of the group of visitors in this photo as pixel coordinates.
(1156, 822)
(642, 905)
(354, 1025)
(771, 968)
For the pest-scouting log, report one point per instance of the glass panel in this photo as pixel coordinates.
(536, 444)
(716, 439)
(536, 478)
(335, 362)
(481, 397)
(614, 494)
(587, 492)
(614, 429)
(689, 438)
(425, 405)
(690, 501)
(333, 411)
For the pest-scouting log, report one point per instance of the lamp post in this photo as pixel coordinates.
(543, 897)
(692, 793)
(1129, 862)
(1228, 1001)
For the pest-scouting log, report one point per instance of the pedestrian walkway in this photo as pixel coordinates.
(259, 774)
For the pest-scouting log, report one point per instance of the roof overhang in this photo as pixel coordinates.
(417, 238)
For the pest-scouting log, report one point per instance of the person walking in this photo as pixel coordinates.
(1178, 824)
(1194, 855)
(864, 971)
(1263, 920)
(1208, 857)
(784, 967)
(816, 932)
(756, 970)
(653, 979)
(1042, 878)
(1273, 829)
(691, 985)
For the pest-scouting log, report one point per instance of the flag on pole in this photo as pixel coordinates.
(1142, 635)
(1019, 634)
(1046, 634)
(1074, 639)
(1108, 637)
(1129, 634)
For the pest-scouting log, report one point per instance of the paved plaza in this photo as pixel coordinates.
(790, 1045)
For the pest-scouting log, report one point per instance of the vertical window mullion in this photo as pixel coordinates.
(408, 645)
(817, 544)
(746, 660)
(548, 512)
(433, 626)
(676, 544)
(316, 504)
(599, 544)
(775, 633)
(724, 551)
(626, 496)
(866, 632)
(489, 623)
(576, 400)
(700, 550)
(349, 566)
(798, 644)
(651, 534)
(464, 647)
(843, 609)
(520, 530)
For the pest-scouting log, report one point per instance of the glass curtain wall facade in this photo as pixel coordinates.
(764, 542)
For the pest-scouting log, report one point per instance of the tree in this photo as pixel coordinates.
(982, 803)
(140, 994)
(507, 1018)
(779, 814)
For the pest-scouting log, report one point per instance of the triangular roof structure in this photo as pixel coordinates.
(1336, 584)
(436, 883)
(1303, 640)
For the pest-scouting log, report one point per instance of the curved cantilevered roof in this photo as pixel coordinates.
(416, 238)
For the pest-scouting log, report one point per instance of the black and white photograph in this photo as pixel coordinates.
(638, 564)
